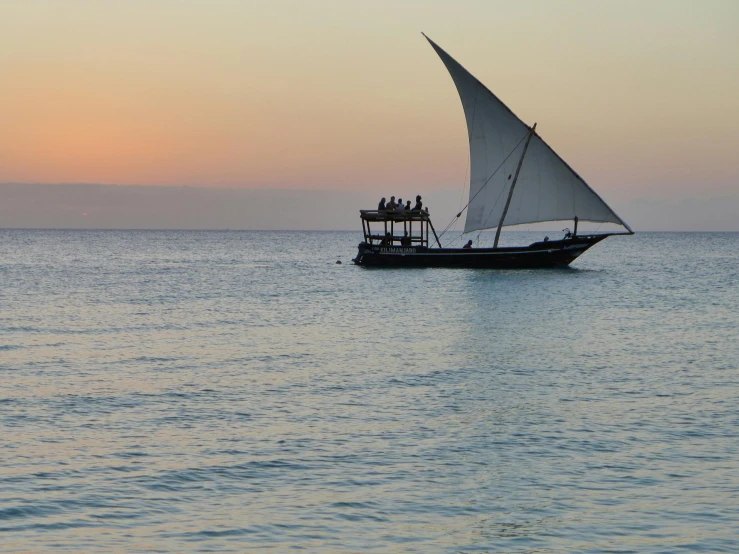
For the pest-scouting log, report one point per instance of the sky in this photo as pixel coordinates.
(640, 97)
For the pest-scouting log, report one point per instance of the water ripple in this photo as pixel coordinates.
(231, 392)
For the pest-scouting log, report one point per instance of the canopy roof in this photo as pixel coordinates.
(394, 215)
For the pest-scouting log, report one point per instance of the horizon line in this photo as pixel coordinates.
(228, 229)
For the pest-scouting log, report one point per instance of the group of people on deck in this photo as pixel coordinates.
(399, 206)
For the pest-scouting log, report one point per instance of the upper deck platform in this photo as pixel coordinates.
(394, 215)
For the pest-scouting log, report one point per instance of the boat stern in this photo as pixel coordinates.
(363, 249)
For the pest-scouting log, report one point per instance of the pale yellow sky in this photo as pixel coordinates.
(638, 96)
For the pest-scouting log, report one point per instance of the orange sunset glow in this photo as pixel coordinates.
(346, 95)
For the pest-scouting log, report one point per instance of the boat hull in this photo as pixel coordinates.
(559, 253)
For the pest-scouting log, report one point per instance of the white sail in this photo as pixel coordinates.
(547, 189)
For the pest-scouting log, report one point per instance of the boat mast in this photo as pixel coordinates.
(513, 184)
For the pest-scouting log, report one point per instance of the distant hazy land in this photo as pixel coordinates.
(80, 206)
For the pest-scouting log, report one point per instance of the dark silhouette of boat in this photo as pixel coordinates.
(515, 178)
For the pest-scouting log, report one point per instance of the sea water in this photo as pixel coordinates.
(172, 391)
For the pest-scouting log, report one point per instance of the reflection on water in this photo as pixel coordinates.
(189, 391)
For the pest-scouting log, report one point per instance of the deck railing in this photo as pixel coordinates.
(394, 215)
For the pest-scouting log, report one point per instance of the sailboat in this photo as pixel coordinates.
(515, 178)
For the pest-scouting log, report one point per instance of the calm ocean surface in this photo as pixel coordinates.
(235, 391)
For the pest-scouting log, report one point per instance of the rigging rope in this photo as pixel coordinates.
(483, 186)
(500, 194)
